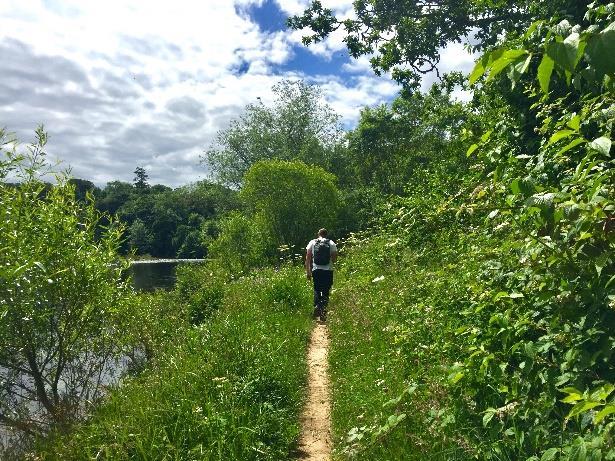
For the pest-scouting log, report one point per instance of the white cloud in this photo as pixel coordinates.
(348, 100)
(120, 84)
(334, 42)
(361, 65)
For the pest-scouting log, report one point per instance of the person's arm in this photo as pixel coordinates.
(308, 264)
(334, 253)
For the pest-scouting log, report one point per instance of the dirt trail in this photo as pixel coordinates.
(315, 439)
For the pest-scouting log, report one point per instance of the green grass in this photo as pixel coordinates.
(231, 388)
(394, 315)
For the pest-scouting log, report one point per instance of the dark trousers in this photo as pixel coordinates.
(323, 281)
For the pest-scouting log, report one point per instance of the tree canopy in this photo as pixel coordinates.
(406, 36)
(291, 199)
(298, 126)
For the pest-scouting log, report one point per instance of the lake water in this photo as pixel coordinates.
(157, 274)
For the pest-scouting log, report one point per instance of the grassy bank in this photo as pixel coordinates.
(228, 388)
(396, 310)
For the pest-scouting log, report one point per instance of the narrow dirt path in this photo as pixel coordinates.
(315, 439)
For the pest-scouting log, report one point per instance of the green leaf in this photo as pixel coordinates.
(488, 416)
(564, 54)
(545, 69)
(574, 122)
(582, 407)
(532, 28)
(471, 149)
(508, 57)
(571, 390)
(571, 398)
(486, 135)
(560, 135)
(514, 186)
(549, 455)
(578, 452)
(518, 68)
(571, 145)
(477, 72)
(601, 144)
(600, 50)
(607, 410)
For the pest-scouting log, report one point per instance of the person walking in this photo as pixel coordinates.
(319, 259)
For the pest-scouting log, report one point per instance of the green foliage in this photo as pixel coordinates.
(417, 133)
(140, 239)
(167, 222)
(299, 126)
(228, 389)
(202, 289)
(287, 290)
(479, 323)
(394, 316)
(291, 200)
(60, 281)
(550, 311)
(406, 37)
(241, 244)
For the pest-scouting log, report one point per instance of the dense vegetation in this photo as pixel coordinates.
(473, 314)
(228, 388)
(160, 221)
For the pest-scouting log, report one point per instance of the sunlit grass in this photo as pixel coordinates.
(230, 388)
(392, 328)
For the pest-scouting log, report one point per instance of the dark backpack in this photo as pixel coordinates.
(322, 252)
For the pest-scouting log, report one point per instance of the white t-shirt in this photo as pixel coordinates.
(310, 247)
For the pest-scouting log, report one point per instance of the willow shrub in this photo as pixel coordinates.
(60, 282)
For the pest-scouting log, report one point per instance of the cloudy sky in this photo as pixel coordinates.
(126, 83)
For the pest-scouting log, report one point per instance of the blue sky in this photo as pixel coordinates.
(126, 83)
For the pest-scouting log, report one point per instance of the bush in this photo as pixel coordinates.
(202, 289)
(60, 283)
(240, 245)
(291, 199)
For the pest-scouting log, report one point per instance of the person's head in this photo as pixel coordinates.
(322, 232)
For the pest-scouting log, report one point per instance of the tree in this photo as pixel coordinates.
(84, 187)
(140, 238)
(398, 146)
(59, 283)
(298, 126)
(113, 196)
(291, 200)
(140, 180)
(406, 36)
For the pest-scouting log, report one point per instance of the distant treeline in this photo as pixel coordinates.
(161, 221)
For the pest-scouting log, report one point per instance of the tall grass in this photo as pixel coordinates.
(393, 322)
(229, 388)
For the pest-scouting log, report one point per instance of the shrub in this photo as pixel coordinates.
(230, 388)
(60, 282)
